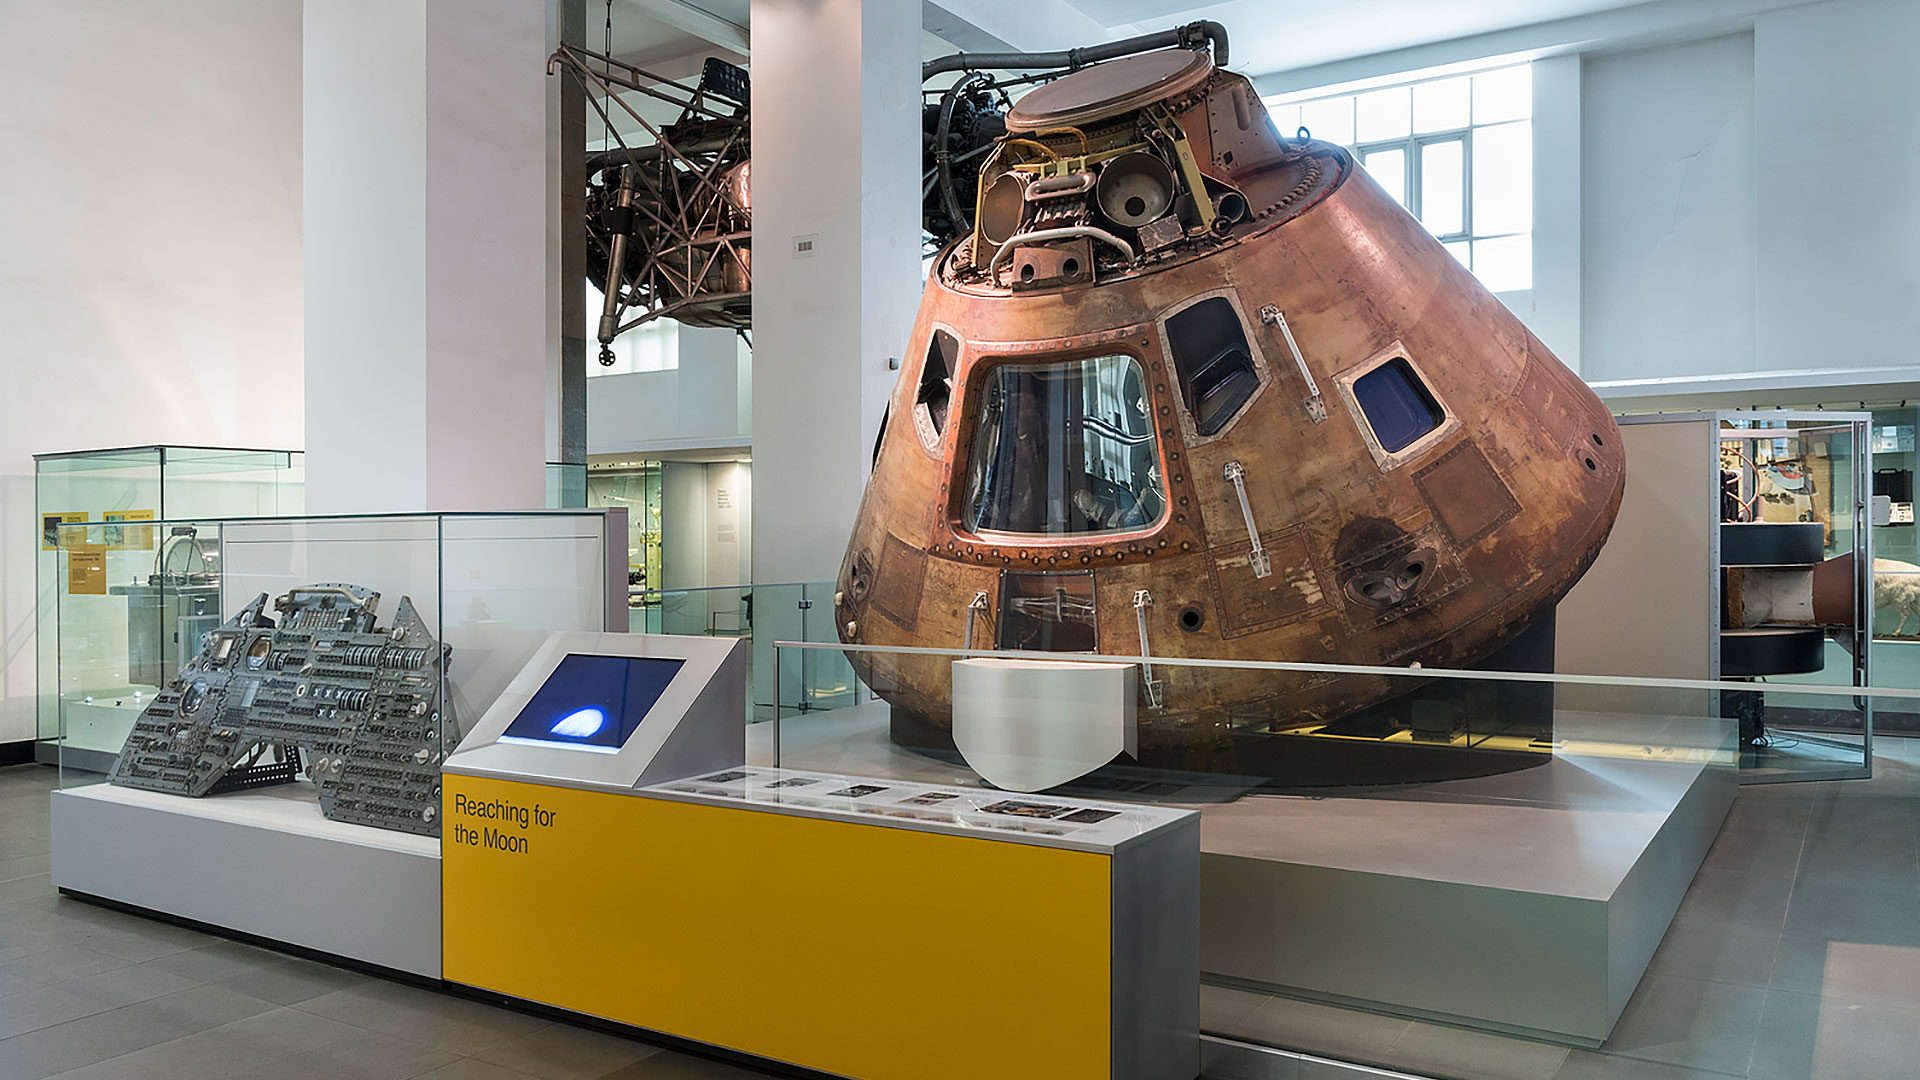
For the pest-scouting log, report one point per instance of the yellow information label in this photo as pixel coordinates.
(86, 570)
(127, 537)
(51, 525)
(864, 950)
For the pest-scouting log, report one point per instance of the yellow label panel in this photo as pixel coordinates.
(51, 524)
(127, 538)
(86, 570)
(870, 951)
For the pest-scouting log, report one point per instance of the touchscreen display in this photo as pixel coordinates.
(592, 702)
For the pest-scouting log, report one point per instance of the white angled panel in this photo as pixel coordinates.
(1028, 725)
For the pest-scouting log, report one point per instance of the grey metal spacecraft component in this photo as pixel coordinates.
(363, 703)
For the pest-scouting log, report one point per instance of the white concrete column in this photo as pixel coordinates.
(426, 131)
(1556, 206)
(836, 166)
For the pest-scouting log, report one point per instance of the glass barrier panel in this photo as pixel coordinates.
(566, 486)
(1192, 728)
(506, 580)
(813, 679)
(206, 482)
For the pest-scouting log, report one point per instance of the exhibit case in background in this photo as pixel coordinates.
(1744, 550)
(143, 484)
(1525, 892)
(484, 590)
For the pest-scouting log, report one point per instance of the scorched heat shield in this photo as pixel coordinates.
(1184, 364)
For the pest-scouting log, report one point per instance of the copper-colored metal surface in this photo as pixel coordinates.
(1362, 550)
(1115, 86)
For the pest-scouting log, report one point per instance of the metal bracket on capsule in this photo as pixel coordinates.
(1141, 601)
(977, 604)
(1316, 408)
(1257, 558)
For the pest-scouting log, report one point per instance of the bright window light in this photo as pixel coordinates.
(1441, 105)
(1383, 114)
(1502, 168)
(1456, 151)
(1506, 94)
(653, 346)
(1443, 187)
(1389, 169)
(1330, 119)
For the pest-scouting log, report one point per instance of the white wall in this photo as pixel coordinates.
(150, 280)
(704, 402)
(1720, 192)
(1746, 217)
(1669, 232)
(1837, 107)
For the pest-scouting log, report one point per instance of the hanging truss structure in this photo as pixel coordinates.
(668, 224)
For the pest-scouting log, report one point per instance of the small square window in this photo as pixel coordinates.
(1397, 405)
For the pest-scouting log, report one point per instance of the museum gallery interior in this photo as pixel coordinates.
(649, 539)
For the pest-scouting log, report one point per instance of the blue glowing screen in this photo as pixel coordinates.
(593, 702)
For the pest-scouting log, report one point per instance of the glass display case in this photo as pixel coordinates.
(472, 594)
(635, 487)
(1896, 561)
(143, 484)
(1890, 440)
(1788, 475)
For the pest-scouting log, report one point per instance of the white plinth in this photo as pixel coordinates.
(264, 863)
(1529, 902)
(1029, 725)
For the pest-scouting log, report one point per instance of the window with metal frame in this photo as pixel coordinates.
(936, 380)
(1456, 151)
(1397, 405)
(1062, 447)
(1213, 361)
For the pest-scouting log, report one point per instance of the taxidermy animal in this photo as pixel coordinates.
(1896, 585)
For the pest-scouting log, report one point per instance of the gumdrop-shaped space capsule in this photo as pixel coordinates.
(1196, 390)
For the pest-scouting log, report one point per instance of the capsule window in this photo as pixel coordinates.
(1397, 404)
(1063, 447)
(936, 379)
(1214, 362)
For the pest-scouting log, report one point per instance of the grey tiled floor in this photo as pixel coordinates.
(92, 994)
(1795, 955)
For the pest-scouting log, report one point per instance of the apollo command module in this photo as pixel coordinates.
(1190, 388)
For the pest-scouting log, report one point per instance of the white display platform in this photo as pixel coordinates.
(262, 862)
(1529, 902)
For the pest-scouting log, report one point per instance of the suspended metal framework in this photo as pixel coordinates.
(668, 224)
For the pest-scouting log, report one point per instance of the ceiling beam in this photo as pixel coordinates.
(699, 22)
(998, 26)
